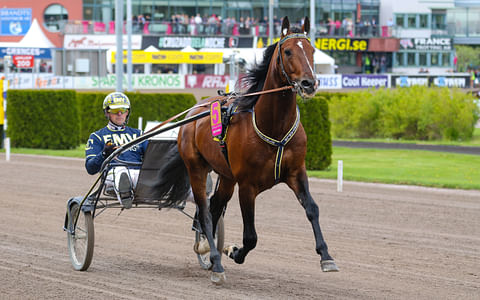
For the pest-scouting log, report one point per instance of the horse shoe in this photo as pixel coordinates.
(228, 251)
(218, 278)
(201, 247)
(329, 266)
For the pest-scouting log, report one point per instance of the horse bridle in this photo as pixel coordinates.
(295, 86)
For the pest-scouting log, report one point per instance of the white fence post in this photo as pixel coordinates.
(7, 149)
(140, 121)
(340, 176)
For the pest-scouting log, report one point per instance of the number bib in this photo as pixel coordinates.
(216, 118)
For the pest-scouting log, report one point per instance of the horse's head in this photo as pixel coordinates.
(295, 57)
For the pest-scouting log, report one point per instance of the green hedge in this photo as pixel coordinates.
(414, 113)
(149, 106)
(314, 117)
(45, 119)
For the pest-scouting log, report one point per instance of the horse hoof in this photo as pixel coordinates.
(201, 247)
(329, 266)
(228, 251)
(218, 278)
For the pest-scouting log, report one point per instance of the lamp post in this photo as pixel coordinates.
(119, 53)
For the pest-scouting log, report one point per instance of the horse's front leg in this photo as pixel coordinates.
(247, 205)
(205, 218)
(299, 184)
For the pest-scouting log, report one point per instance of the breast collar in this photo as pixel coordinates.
(280, 144)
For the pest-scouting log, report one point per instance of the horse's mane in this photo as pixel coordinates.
(254, 80)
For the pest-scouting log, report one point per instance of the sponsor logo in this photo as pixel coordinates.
(364, 81)
(207, 81)
(409, 81)
(341, 44)
(450, 82)
(329, 81)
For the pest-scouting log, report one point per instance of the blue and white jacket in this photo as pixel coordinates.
(118, 136)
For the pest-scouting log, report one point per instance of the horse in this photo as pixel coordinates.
(265, 144)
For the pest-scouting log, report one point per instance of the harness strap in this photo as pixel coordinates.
(280, 144)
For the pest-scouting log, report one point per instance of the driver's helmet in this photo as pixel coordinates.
(116, 100)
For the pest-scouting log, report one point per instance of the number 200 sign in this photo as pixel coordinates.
(23, 61)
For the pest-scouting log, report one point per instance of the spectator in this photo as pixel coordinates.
(390, 26)
(338, 25)
(349, 27)
(198, 23)
(374, 27)
(331, 26)
(383, 64)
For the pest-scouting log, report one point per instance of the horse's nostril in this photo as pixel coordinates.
(307, 83)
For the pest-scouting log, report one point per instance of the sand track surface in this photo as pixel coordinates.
(390, 242)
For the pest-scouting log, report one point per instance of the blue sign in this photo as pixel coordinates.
(37, 52)
(15, 21)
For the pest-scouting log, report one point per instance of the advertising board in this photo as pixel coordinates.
(15, 21)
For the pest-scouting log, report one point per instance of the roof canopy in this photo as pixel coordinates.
(35, 38)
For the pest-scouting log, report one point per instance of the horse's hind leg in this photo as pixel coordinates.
(247, 204)
(299, 184)
(219, 200)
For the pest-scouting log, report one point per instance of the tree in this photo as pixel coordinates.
(468, 58)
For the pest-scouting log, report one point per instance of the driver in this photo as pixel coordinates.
(101, 143)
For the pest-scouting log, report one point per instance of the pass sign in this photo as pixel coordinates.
(23, 61)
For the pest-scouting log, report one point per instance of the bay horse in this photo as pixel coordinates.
(265, 144)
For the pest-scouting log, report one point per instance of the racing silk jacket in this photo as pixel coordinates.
(118, 136)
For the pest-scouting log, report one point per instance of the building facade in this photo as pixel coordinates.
(364, 36)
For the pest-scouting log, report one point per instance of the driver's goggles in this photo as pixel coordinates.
(117, 110)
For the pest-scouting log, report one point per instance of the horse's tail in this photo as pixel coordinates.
(174, 183)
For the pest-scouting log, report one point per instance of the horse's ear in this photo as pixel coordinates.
(285, 26)
(306, 26)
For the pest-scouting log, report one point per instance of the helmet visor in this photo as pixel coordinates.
(117, 110)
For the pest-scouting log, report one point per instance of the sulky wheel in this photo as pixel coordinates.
(80, 238)
(204, 258)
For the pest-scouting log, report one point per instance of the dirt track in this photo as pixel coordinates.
(389, 242)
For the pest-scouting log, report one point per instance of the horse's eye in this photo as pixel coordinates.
(288, 52)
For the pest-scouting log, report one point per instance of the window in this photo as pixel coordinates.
(439, 19)
(400, 59)
(445, 60)
(422, 59)
(423, 21)
(411, 59)
(434, 59)
(412, 21)
(55, 17)
(399, 20)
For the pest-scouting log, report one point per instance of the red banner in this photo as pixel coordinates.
(23, 61)
(206, 81)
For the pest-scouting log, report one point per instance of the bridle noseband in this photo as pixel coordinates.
(295, 86)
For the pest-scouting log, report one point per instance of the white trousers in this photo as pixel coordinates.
(113, 177)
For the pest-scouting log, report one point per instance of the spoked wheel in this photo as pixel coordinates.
(200, 238)
(80, 238)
